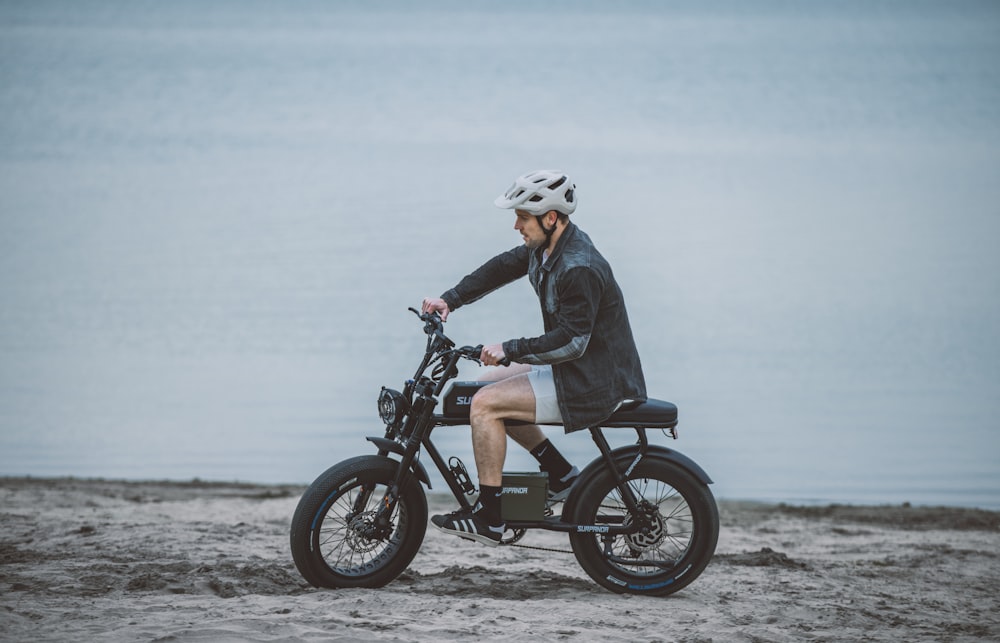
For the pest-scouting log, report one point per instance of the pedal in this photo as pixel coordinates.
(515, 535)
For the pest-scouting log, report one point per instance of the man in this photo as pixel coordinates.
(577, 373)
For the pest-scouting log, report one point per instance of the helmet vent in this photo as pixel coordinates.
(569, 195)
(557, 183)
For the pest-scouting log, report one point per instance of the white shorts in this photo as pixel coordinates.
(546, 402)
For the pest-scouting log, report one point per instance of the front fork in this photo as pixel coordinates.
(416, 428)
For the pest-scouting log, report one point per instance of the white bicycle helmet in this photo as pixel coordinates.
(538, 192)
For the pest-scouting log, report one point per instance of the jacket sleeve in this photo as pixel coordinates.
(579, 294)
(498, 271)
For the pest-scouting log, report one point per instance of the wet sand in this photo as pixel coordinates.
(165, 561)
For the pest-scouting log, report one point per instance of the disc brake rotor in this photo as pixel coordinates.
(358, 530)
(645, 540)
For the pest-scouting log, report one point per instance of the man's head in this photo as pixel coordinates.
(542, 201)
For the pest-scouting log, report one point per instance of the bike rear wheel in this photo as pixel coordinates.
(683, 529)
(334, 539)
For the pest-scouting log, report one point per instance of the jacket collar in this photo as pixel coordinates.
(564, 238)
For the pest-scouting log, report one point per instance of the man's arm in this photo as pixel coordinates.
(498, 271)
(580, 291)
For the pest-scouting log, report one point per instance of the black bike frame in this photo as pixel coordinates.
(424, 393)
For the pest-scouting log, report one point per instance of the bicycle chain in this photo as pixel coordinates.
(550, 549)
(558, 551)
(548, 512)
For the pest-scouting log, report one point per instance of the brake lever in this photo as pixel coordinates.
(474, 352)
(471, 352)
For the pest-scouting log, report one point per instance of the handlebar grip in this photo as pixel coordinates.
(476, 351)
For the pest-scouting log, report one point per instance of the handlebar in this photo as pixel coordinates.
(432, 321)
(475, 352)
(434, 325)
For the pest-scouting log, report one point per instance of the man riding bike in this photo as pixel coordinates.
(577, 373)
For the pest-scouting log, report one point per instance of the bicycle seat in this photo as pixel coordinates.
(655, 414)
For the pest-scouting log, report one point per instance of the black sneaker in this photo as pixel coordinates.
(559, 489)
(466, 524)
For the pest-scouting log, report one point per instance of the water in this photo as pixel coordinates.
(212, 220)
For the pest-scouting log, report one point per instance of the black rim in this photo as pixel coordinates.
(665, 544)
(340, 539)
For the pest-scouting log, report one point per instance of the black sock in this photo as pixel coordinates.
(551, 461)
(489, 502)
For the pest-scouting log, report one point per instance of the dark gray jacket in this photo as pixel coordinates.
(587, 340)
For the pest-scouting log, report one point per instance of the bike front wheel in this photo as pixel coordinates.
(682, 529)
(336, 540)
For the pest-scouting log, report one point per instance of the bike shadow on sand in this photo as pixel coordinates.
(478, 581)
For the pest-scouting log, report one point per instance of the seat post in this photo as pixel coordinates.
(643, 440)
(605, 448)
(609, 459)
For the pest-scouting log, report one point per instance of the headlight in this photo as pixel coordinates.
(392, 407)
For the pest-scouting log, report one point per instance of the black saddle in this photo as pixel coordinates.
(654, 414)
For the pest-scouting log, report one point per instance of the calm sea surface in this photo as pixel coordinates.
(213, 217)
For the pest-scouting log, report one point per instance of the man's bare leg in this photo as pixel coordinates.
(488, 444)
(510, 398)
(528, 436)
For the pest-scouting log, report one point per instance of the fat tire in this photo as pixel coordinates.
(690, 529)
(328, 549)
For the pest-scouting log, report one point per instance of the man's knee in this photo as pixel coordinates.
(496, 402)
(483, 404)
(510, 399)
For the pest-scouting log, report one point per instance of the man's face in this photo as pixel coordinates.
(531, 232)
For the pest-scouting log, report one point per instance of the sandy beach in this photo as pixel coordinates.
(165, 561)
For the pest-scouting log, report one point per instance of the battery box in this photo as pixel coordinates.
(458, 399)
(524, 495)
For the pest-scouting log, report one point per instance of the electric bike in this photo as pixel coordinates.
(641, 519)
